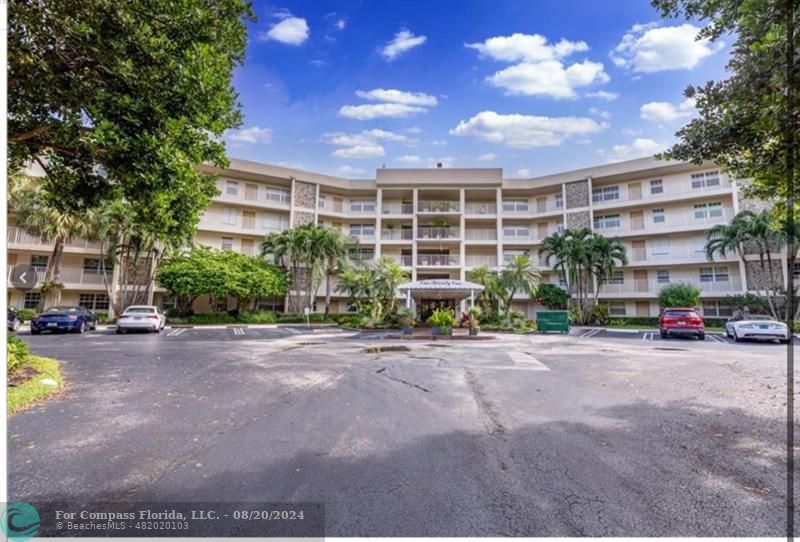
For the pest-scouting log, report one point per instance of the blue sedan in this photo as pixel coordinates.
(75, 319)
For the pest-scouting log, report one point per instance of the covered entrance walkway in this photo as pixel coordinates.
(429, 295)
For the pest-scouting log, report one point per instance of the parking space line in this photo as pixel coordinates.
(591, 332)
(176, 332)
(238, 331)
(528, 361)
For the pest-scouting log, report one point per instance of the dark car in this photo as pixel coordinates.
(74, 318)
(681, 321)
(14, 319)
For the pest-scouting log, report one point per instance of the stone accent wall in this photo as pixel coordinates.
(305, 195)
(301, 217)
(746, 203)
(577, 193)
(578, 220)
(757, 276)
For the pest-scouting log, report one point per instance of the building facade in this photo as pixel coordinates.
(439, 223)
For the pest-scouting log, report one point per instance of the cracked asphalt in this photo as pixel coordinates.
(520, 436)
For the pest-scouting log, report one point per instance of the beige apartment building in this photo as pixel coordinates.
(439, 223)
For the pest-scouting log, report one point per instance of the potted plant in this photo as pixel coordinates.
(442, 321)
(474, 320)
(407, 320)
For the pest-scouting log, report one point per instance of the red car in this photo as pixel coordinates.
(681, 321)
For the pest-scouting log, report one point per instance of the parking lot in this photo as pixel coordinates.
(614, 434)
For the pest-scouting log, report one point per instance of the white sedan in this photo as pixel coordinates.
(756, 327)
(141, 317)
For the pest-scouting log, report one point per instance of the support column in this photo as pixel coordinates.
(378, 227)
(414, 222)
(499, 225)
(462, 252)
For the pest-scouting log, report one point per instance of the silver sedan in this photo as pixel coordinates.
(141, 317)
(756, 327)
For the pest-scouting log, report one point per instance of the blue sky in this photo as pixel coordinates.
(344, 87)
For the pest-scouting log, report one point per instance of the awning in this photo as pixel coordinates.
(440, 289)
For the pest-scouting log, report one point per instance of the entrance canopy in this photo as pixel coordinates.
(440, 289)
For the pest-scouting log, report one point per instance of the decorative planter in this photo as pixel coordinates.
(474, 330)
(408, 330)
(436, 331)
(446, 331)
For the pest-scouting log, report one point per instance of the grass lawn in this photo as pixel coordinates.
(34, 389)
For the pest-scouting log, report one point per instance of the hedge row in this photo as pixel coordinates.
(652, 321)
(17, 352)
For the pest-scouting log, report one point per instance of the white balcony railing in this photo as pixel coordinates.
(672, 254)
(669, 189)
(481, 234)
(362, 237)
(394, 234)
(652, 286)
(70, 275)
(437, 260)
(437, 207)
(437, 232)
(398, 208)
(16, 236)
(675, 219)
(481, 208)
(477, 260)
(405, 260)
(518, 237)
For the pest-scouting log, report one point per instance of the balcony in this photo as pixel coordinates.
(405, 260)
(438, 207)
(670, 189)
(397, 234)
(481, 208)
(672, 255)
(398, 209)
(362, 237)
(437, 233)
(481, 234)
(478, 260)
(271, 197)
(652, 286)
(71, 275)
(437, 260)
(19, 238)
(672, 220)
(519, 237)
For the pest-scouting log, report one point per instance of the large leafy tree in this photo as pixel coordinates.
(120, 101)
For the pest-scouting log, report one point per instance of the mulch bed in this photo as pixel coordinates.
(21, 375)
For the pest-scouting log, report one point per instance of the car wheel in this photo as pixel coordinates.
(736, 338)
(784, 341)
(701, 336)
(35, 331)
(82, 329)
(663, 333)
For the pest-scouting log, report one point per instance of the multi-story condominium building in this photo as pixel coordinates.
(439, 223)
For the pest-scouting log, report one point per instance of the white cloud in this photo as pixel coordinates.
(374, 111)
(350, 170)
(403, 41)
(640, 148)
(290, 30)
(649, 48)
(603, 95)
(523, 172)
(600, 112)
(251, 135)
(439, 142)
(365, 144)
(445, 161)
(409, 159)
(667, 112)
(397, 96)
(525, 131)
(539, 69)
(488, 157)
(414, 130)
(340, 23)
(360, 151)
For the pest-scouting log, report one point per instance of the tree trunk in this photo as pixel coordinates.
(328, 291)
(55, 279)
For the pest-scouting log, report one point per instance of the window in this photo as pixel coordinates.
(559, 201)
(91, 264)
(227, 243)
(515, 205)
(602, 222)
(707, 210)
(656, 186)
(509, 255)
(274, 222)
(705, 179)
(658, 216)
(362, 206)
(232, 188)
(617, 277)
(699, 244)
(230, 216)
(362, 254)
(38, 262)
(616, 308)
(364, 230)
(796, 272)
(717, 308)
(31, 300)
(559, 227)
(521, 232)
(662, 276)
(277, 195)
(605, 193)
(93, 302)
(714, 274)
(322, 201)
(659, 247)
(562, 279)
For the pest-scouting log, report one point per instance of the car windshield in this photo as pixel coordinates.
(130, 310)
(679, 314)
(63, 309)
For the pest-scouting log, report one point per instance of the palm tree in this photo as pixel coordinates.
(389, 276)
(334, 248)
(34, 213)
(519, 275)
(554, 252)
(489, 299)
(606, 254)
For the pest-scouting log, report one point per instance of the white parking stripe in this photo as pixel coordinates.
(176, 332)
(528, 361)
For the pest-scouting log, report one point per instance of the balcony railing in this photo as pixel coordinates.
(481, 208)
(363, 237)
(398, 208)
(517, 237)
(671, 220)
(18, 236)
(406, 260)
(335, 206)
(70, 275)
(437, 260)
(477, 260)
(437, 207)
(397, 234)
(652, 286)
(673, 254)
(669, 189)
(481, 234)
(436, 232)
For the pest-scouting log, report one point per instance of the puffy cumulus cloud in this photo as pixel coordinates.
(525, 131)
(603, 95)
(600, 112)
(365, 144)
(667, 112)
(251, 135)
(375, 111)
(539, 70)
(647, 48)
(397, 96)
(403, 41)
(640, 148)
(409, 159)
(488, 157)
(523, 172)
(289, 30)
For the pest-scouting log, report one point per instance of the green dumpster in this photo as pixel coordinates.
(552, 321)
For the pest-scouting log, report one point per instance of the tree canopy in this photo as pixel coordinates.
(122, 100)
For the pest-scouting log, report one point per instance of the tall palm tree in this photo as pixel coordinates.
(606, 254)
(390, 275)
(34, 213)
(554, 252)
(489, 299)
(519, 275)
(334, 249)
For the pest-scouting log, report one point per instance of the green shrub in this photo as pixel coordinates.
(26, 314)
(102, 317)
(679, 294)
(211, 318)
(444, 319)
(551, 296)
(18, 352)
(600, 314)
(756, 304)
(258, 317)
